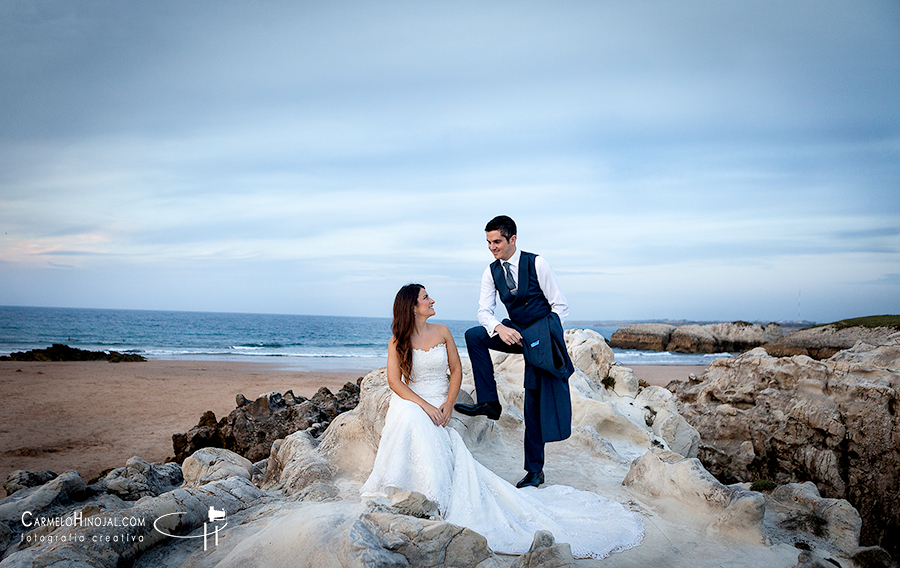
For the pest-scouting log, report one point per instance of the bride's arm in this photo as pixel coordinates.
(395, 381)
(455, 376)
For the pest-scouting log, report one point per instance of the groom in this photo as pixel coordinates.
(536, 307)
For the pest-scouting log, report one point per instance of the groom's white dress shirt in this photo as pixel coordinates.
(487, 303)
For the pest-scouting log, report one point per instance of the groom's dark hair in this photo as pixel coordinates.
(502, 223)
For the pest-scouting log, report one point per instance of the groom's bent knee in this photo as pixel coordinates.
(476, 335)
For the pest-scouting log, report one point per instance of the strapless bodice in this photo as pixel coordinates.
(429, 374)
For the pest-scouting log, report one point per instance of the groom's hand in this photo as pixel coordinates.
(508, 335)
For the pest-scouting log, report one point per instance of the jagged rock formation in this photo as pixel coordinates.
(711, 338)
(825, 341)
(834, 422)
(251, 428)
(60, 352)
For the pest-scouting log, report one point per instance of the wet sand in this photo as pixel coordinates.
(92, 416)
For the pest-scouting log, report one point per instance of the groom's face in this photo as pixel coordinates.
(499, 246)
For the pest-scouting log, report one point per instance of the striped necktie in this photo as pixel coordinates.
(510, 281)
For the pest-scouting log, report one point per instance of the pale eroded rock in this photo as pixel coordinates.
(212, 464)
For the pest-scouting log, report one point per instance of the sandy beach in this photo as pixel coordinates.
(91, 416)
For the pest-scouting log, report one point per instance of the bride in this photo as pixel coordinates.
(418, 452)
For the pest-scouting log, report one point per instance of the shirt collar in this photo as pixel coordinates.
(514, 259)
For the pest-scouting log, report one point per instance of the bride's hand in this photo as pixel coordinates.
(446, 412)
(434, 413)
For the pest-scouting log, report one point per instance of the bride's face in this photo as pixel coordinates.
(425, 305)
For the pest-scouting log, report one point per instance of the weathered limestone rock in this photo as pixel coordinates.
(589, 353)
(643, 336)
(545, 553)
(428, 543)
(297, 468)
(22, 479)
(693, 338)
(663, 418)
(43, 500)
(720, 337)
(212, 464)
(736, 513)
(623, 380)
(772, 332)
(793, 419)
(825, 341)
(140, 478)
(413, 504)
(834, 520)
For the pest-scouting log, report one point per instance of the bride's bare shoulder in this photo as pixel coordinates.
(440, 330)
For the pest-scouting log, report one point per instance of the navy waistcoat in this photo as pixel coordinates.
(529, 304)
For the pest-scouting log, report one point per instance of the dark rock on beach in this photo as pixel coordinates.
(61, 352)
(251, 428)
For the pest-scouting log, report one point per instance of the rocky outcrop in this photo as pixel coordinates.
(140, 478)
(251, 428)
(732, 337)
(789, 420)
(60, 352)
(22, 479)
(710, 338)
(736, 512)
(825, 341)
(545, 552)
(643, 336)
(799, 505)
(213, 464)
(50, 498)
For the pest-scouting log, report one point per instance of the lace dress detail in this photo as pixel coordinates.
(416, 455)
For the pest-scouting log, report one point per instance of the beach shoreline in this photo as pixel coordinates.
(92, 416)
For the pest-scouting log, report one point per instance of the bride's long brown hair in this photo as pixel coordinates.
(404, 324)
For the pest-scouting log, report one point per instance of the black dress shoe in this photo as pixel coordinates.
(531, 479)
(490, 409)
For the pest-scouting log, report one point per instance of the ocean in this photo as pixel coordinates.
(314, 343)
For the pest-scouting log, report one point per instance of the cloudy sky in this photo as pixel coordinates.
(701, 160)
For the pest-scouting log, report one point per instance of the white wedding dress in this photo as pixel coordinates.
(416, 455)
